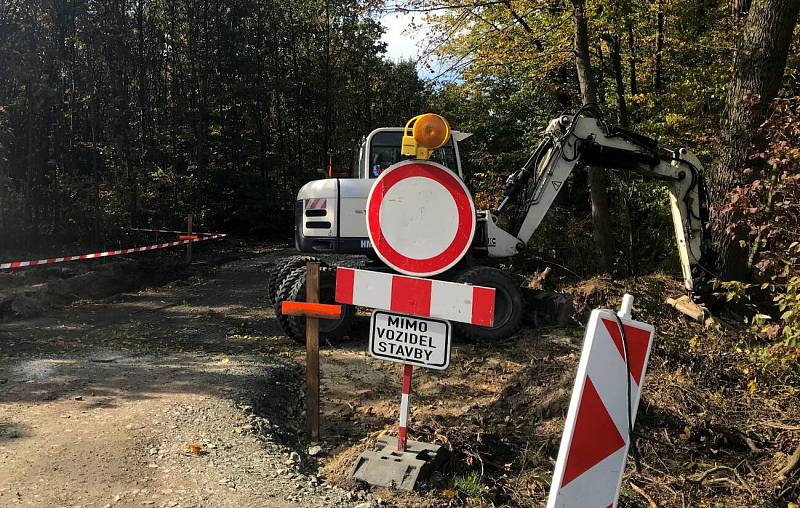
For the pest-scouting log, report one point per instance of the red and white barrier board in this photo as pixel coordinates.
(594, 446)
(109, 253)
(416, 296)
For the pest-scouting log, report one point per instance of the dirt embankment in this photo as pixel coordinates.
(29, 292)
(711, 431)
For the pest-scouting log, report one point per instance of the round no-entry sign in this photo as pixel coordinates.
(420, 218)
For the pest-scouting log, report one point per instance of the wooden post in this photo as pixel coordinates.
(312, 353)
(189, 245)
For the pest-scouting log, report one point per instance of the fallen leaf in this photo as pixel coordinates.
(195, 448)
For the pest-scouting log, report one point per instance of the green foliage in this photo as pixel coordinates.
(765, 210)
(789, 305)
(517, 71)
(470, 485)
(114, 115)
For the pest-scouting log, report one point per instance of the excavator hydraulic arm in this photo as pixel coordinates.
(586, 139)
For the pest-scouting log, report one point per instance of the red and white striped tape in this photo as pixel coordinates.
(170, 231)
(405, 407)
(594, 446)
(108, 253)
(416, 296)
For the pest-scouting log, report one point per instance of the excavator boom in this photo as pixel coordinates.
(588, 140)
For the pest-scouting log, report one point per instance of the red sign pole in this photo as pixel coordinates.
(405, 403)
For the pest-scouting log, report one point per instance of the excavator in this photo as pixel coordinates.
(330, 214)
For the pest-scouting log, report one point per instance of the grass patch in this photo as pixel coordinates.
(470, 485)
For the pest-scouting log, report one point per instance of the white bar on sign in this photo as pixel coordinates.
(451, 301)
(372, 289)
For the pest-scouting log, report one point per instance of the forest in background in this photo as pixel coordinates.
(134, 113)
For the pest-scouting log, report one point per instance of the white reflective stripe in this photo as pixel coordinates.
(451, 301)
(593, 484)
(90, 256)
(58, 260)
(26, 263)
(405, 402)
(372, 289)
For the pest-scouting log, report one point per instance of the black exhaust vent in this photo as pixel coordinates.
(318, 225)
(316, 213)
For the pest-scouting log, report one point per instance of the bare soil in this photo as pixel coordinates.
(178, 395)
(715, 424)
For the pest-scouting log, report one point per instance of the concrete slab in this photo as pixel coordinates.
(387, 467)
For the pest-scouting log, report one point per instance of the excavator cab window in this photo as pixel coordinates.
(446, 156)
(384, 150)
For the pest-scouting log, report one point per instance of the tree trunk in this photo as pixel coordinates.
(597, 176)
(740, 8)
(632, 57)
(623, 119)
(326, 148)
(619, 84)
(659, 48)
(601, 78)
(758, 68)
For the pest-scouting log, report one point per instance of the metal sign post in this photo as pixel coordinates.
(410, 341)
(417, 332)
(405, 407)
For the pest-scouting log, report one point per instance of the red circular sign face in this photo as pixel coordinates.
(420, 218)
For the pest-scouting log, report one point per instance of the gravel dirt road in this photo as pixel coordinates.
(100, 401)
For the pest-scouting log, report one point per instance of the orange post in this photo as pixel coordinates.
(313, 310)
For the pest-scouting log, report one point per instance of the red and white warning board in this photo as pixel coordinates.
(416, 296)
(420, 218)
(594, 446)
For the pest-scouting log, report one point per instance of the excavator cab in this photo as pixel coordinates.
(330, 214)
(382, 148)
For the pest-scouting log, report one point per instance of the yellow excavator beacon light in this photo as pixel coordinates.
(428, 132)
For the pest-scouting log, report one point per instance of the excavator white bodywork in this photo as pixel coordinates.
(330, 214)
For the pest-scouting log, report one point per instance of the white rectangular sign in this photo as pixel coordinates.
(411, 340)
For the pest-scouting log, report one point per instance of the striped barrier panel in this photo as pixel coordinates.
(416, 296)
(594, 446)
